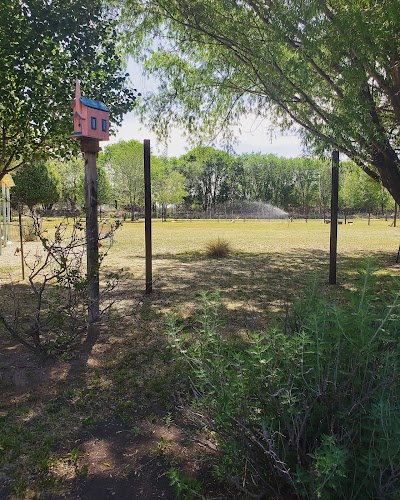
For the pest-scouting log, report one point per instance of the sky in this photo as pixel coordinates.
(254, 135)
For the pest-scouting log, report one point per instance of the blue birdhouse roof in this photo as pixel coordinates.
(91, 103)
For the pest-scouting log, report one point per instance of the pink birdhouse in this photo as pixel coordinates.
(91, 118)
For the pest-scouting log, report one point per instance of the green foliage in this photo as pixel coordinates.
(218, 249)
(328, 67)
(358, 192)
(124, 161)
(70, 173)
(36, 183)
(49, 44)
(103, 187)
(207, 172)
(184, 486)
(309, 410)
(168, 187)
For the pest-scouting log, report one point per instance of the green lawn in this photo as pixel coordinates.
(177, 237)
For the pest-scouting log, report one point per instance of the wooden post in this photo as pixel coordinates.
(8, 214)
(90, 147)
(21, 244)
(1, 231)
(147, 217)
(4, 211)
(334, 217)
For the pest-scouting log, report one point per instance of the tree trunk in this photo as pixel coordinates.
(388, 165)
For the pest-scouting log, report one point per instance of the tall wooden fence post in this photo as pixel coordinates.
(21, 243)
(1, 228)
(147, 217)
(334, 217)
(4, 211)
(90, 147)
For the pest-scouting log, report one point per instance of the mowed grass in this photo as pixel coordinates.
(186, 240)
(178, 237)
(270, 266)
(271, 262)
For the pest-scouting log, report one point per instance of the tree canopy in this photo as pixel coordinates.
(168, 187)
(207, 171)
(330, 68)
(36, 183)
(44, 46)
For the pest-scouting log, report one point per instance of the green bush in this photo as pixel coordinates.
(309, 410)
(29, 231)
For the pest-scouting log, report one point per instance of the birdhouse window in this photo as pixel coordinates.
(93, 123)
(104, 125)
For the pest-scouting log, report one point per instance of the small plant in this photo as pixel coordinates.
(218, 249)
(184, 486)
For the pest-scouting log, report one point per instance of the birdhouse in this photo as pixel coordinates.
(91, 118)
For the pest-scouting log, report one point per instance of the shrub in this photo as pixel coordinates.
(29, 232)
(218, 249)
(51, 315)
(306, 411)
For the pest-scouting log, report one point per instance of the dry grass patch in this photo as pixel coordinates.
(218, 249)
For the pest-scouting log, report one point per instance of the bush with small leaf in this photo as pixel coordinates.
(51, 316)
(309, 410)
(29, 231)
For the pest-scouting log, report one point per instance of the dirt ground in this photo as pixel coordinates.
(123, 454)
(112, 413)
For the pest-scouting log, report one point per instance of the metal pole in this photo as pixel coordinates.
(147, 217)
(395, 214)
(334, 217)
(91, 147)
(21, 243)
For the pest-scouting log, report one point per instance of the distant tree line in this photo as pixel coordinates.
(202, 180)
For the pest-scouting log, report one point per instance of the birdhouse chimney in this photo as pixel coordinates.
(77, 89)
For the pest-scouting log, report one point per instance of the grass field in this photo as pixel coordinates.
(108, 420)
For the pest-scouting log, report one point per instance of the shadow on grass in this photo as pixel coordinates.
(112, 400)
(256, 287)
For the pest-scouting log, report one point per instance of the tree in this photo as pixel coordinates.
(305, 184)
(269, 179)
(70, 173)
(124, 160)
(36, 183)
(359, 192)
(332, 68)
(324, 186)
(168, 188)
(207, 172)
(103, 187)
(48, 45)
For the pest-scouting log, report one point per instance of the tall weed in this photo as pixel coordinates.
(310, 410)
